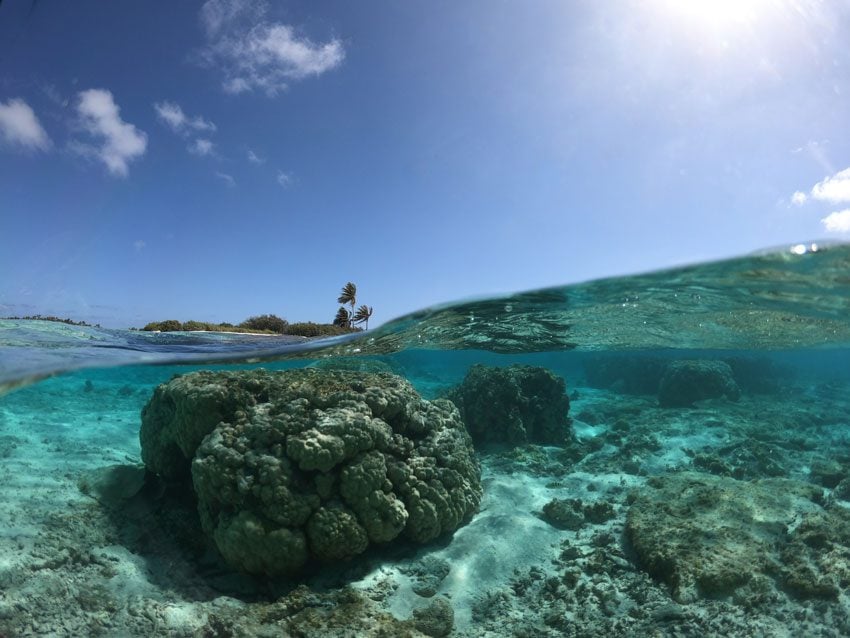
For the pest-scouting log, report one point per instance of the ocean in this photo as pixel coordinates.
(664, 454)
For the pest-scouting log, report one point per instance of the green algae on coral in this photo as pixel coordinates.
(311, 464)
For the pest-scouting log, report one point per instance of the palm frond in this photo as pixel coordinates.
(343, 317)
(348, 294)
(362, 314)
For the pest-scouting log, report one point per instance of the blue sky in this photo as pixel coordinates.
(218, 160)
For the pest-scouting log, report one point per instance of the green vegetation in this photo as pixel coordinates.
(263, 324)
(342, 324)
(342, 319)
(271, 323)
(347, 296)
(70, 322)
(165, 326)
(346, 318)
(362, 315)
(310, 329)
(303, 329)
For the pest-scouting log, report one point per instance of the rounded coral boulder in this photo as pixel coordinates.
(300, 465)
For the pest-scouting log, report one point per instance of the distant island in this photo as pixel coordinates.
(343, 322)
(70, 322)
(262, 324)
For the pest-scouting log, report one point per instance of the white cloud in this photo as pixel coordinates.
(200, 147)
(254, 158)
(120, 142)
(798, 198)
(216, 14)
(20, 127)
(835, 189)
(257, 54)
(140, 245)
(227, 179)
(285, 179)
(172, 115)
(838, 222)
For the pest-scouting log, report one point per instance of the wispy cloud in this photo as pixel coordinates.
(119, 142)
(173, 116)
(55, 96)
(216, 14)
(798, 198)
(285, 179)
(837, 222)
(254, 158)
(201, 147)
(139, 245)
(834, 189)
(227, 179)
(20, 127)
(257, 54)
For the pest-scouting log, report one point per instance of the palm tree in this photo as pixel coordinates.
(348, 296)
(343, 318)
(362, 315)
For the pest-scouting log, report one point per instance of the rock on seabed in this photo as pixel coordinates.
(300, 465)
(709, 536)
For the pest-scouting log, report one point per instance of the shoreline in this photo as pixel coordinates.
(233, 332)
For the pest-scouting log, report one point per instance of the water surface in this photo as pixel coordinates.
(724, 514)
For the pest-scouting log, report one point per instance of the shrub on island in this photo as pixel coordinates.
(265, 324)
(169, 325)
(197, 325)
(272, 323)
(311, 329)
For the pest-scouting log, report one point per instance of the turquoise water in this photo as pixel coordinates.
(699, 484)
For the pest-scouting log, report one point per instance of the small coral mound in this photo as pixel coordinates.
(687, 381)
(572, 514)
(435, 620)
(516, 404)
(311, 464)
(708, 536)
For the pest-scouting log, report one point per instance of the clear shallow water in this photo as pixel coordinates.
(640, 523)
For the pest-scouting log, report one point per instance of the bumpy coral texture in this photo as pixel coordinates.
(688, 380)
(311, 464)
(516, 404)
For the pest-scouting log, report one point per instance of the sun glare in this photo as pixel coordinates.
(719, 13)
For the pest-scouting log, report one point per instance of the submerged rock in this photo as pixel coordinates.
(435, 620)
(306, 613)
(625, 373)
(516, 404)
(573, 513)
(708, 536)
(426, 575)
(114, 484)
(687, 381)
(564, 514)
(311, 464)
